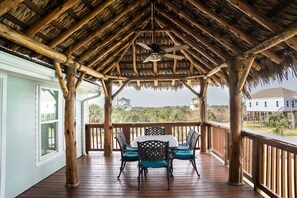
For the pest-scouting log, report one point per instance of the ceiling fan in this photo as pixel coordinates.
(155, 51)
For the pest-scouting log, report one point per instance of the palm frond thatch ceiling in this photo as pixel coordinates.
(103, 36)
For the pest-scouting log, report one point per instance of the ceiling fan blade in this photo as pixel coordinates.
(174, 56)
(148, 59)
(144, 46)
(181, 47)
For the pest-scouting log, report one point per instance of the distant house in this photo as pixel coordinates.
(269, 101)
(124, 103)
(194, 104)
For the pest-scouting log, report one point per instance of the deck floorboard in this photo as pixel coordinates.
(98, 178)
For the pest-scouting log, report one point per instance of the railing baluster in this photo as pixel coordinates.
(273, 170)
(283, 185)
(289, 175)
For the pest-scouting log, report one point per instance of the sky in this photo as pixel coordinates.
(181, 97)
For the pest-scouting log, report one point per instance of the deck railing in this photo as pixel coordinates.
(269, 162)
(95, 132)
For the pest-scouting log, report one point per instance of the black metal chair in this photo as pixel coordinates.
(126, 155)
(154, 131)
(187, 154)
(185, 145)
(126, 142)
(153, 154)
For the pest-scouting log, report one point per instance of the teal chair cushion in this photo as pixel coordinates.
(182, 146)
(130, 156)
(153, 164)
(130, 148)
(183, 154)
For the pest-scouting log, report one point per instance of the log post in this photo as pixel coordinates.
(235, 168)
(202, 104)
(107, 120)
(70, 139)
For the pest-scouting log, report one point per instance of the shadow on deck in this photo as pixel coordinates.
(98, 178)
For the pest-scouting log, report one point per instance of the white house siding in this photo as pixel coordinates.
(271, 104)
(22, 171)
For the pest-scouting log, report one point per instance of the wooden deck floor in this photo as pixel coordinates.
(98, 178)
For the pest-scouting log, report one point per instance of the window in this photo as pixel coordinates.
(287, 103)
(49, 133)
(250, 104)
(256, 103)
(265, 103)
(292, 103)
(276, 104)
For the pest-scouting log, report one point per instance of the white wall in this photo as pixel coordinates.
(22, 171)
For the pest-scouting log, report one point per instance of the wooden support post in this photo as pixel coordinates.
(202, 104)
(70, 139)
(81, 77)
(107, 120)
(236, 167)
(61, 80)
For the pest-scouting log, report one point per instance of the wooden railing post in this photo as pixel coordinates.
(168, 129)
(256, 163)
(126, 131)
(88, 138)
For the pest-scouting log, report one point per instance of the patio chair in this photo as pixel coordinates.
(153, 154)
(185, 145)
(126, 142)
(187, 154)
(154, 131)
(126, 155)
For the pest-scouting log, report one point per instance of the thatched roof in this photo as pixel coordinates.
(102, 35)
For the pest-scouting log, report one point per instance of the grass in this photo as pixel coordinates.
(258, 127)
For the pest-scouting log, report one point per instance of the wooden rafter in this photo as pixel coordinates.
(193, 33)
(211, 33)
(36, 27)
(174, 64)
(80, 23)
(104, 88)
(156, 83)
(138, 83)
(40, 48)
(61, 79)
(101, 29)
(118, 69)
(7, 5)
(261, 19)
(188, 41)
(120, 89)
(237, 32)
(155, 68)
(244, 74)
(123, 39)
(80, 79)
(165, 29)
(134, 58)
(114, 36)
(190, 88)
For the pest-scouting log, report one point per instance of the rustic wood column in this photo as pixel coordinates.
(202, 107)
(235, 168)
(107, 119)
(70, 139)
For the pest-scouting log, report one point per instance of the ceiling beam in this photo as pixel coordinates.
(118, 43)
(101, 29)
(207, 30)
(174, 64)
(7, 5)
(80, 23)
(134, 58)
(236, 31)
(114, 36)
(41, 23)
(25, 41)
(187, 28)
(165, 29)
(261, 19)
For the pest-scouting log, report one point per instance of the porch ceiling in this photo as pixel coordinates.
(102, 35)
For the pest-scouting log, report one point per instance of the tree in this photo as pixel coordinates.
(95, 113)
(278, 122)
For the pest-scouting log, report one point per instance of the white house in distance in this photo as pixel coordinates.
(124, 103)
(194, 104)
(269, 101)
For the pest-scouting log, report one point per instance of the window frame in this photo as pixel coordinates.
(265, 103)
(276, 103)
(60, 131)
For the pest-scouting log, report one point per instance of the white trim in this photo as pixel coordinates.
(60, 150)
(3, 98)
